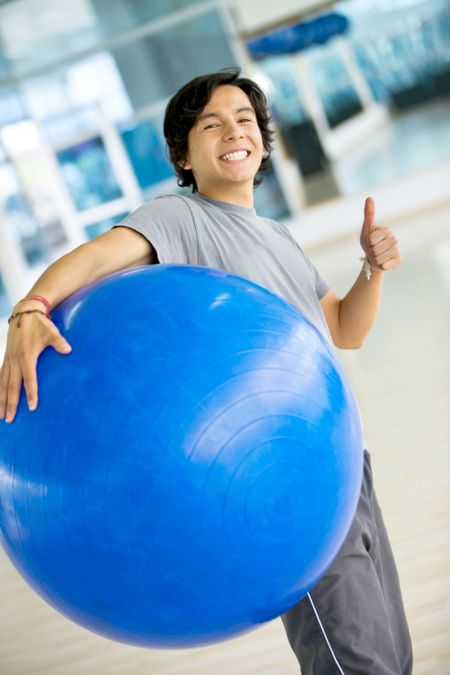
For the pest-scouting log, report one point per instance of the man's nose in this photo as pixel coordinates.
(232, 130)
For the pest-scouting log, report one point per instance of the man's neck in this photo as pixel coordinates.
(239, 197)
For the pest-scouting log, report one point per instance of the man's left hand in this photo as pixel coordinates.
(378, 243)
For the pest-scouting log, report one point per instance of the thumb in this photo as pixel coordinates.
(61, 345)
(369, 217)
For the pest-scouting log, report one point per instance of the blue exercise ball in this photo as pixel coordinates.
(193, 465)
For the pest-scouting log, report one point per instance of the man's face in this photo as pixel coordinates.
(225, 146)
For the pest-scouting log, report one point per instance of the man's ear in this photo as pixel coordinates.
(185, 164)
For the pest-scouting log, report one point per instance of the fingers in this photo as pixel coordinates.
(386, 262)
(20, 365)
(11, 384)
(381, 234)
(30, 380)
(391, 264)
(14, 385)
(13, 372)
(383, 251)
(384, 245)
(29, 362)
(4, 380)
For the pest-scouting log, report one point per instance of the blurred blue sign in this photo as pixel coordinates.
(298, 36)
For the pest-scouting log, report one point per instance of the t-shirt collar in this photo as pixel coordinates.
(226, 206)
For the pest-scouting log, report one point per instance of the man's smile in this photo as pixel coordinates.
(235, 156)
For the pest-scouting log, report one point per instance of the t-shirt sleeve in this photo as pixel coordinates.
(168, 225)
(320, 285)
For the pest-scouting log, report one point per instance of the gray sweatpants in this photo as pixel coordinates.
(353, 620)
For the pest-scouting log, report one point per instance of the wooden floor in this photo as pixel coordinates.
(401, 378)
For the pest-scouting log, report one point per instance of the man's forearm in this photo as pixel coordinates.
(66, 275)
(359, 308)
(115, 250)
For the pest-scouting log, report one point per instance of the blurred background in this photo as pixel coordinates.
(360, 96)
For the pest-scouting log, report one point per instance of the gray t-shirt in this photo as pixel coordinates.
(197, 230)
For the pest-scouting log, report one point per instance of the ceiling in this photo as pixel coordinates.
(35, 34)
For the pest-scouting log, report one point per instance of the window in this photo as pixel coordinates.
(88, 174)
(145, 145)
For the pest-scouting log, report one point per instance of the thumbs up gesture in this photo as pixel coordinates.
(378, 243)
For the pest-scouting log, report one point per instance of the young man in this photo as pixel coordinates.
(218, 134)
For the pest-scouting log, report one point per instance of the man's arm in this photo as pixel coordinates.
(351, 318)
(111, 252)
(118, 249)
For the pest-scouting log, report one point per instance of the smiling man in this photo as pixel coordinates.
(218, 133)
(225, 148)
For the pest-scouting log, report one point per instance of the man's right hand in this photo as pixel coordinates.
(25, 343)
(118, 249)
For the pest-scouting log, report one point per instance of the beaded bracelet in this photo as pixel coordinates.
(27, 311)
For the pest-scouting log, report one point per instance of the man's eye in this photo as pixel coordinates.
(246, 119)
(211, 126)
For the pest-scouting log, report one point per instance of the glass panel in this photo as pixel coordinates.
(17, 215)
(35, 34)
(366, 58)
(269, 199)
(296, 129)
(403, 50)
(284, 93)
(88, 174)
(97, 80)
(77, 89)
(145, 144)
(36, 182)
(11, 107)
(61, 130)
(34, 173)
(45, 96)
(154, 67)
(330, 75)
(118, 15)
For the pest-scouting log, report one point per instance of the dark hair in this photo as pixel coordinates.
(187, 104)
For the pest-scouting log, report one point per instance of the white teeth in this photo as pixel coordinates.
(235, 155)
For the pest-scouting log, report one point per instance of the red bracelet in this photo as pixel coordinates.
(40, 298)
